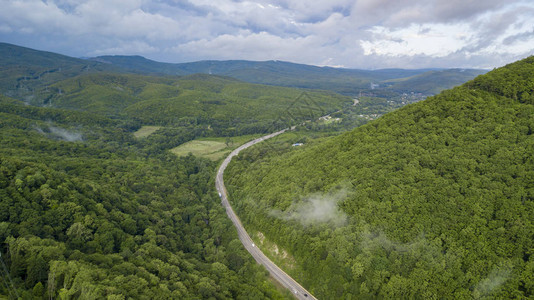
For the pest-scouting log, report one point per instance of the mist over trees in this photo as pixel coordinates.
(432, 201)
(440, 200)
(108, 217)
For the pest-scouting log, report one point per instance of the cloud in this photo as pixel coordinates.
(66, 135)
(60, 133)
(403, 13)
(316, 209)
(353, 33)
(483, 35)
(438, 41)
(518, 37)
(247, 44)
(5, 29)
(125, 48)
(495, 279)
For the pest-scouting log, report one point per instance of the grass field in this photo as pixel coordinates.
(212, 148)
(146, 131)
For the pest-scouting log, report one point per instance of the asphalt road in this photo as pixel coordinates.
(296, 289)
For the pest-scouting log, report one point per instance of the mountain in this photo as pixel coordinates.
(434, 200)
(25, 70)
(214, 105)
(239, 68)
(434, 81)
(341, 80)
(224, 104)
(139, 64)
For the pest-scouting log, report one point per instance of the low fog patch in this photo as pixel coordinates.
(496, 278)
(316, 209)
(60, 133)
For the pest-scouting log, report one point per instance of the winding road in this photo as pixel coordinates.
(296, 289)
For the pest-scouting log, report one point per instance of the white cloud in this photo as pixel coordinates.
(32, 16)
(436, 41)
(353, 33)
(60, 133)
(482, 35)
(126, 48)
(402, 13)
(496, 278)
(5, 28)
(316, 209)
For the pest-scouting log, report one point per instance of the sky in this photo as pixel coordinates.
(362, 34)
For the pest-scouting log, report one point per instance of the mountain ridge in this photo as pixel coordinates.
(274, 72)
(28, 70)
(439, 197)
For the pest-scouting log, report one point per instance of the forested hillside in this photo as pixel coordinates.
(24, 71)
(86, 210)
(226, 105)
(280, 73)
(223, 104)
(178, 98)
(272, 72)
(434, 200)
(433, 82)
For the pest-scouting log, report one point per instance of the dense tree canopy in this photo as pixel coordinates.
(223, 104)
(436, 200)
(102, 215)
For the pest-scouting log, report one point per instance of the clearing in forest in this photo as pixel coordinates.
(146, 131)
(212, 148)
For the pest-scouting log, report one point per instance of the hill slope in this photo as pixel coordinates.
(345, 81)
(435, 81)
(86, 213)
(222, 103)
(25, 70)
(435, 200)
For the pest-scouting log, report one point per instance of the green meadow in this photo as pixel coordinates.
(213, 148)
(146, 131)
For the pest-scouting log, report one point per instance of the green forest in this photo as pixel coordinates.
(281, 73)
(88, 210)
(434, 200)
(221, 102)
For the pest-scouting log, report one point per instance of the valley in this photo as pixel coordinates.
(391, 183)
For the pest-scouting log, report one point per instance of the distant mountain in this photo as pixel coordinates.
(345, 81)
(141, 65)
(434, 81)
(433, 200)
(239, 68)
(23, 70)
(267, 72)
(26, 70)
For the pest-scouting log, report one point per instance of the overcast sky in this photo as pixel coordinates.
(367, 34)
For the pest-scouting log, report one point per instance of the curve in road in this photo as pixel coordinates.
(298, 291)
